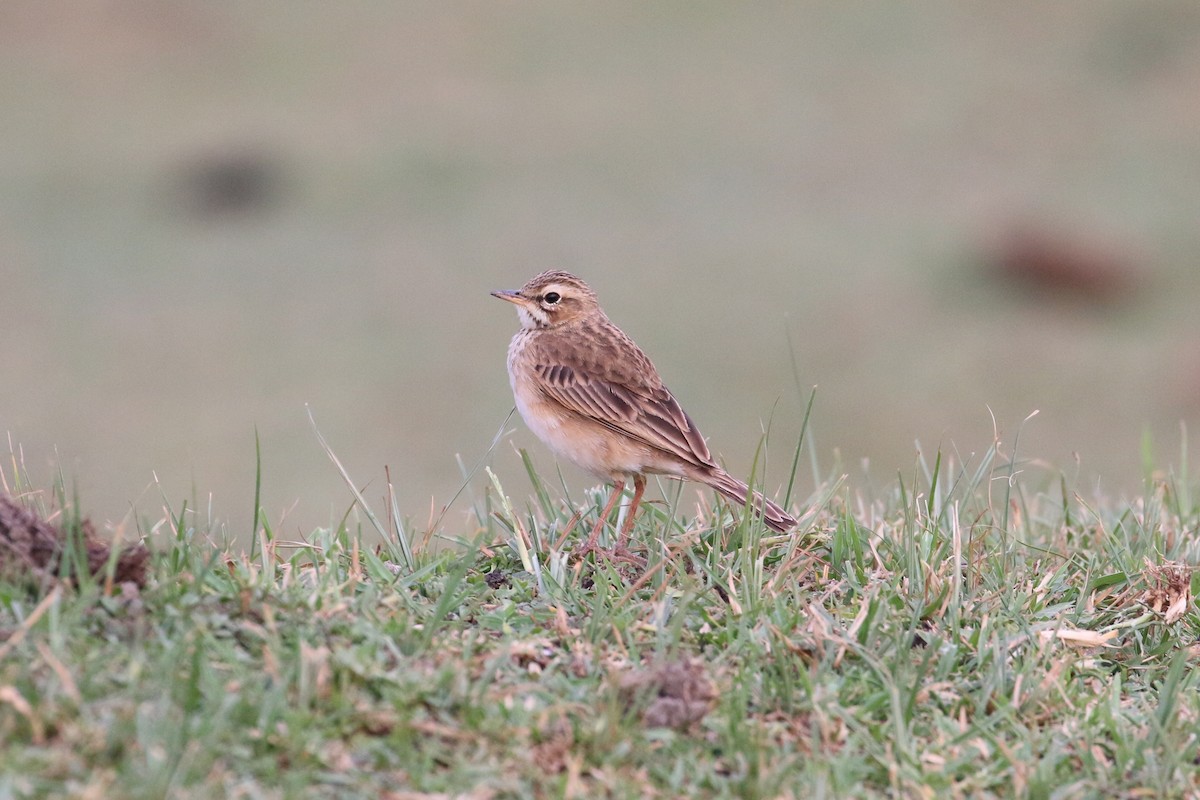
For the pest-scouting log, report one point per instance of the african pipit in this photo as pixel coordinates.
(593, 397)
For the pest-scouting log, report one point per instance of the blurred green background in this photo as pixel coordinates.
(214, 213)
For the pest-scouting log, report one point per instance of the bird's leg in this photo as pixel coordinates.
(618, 487)
(639, 487)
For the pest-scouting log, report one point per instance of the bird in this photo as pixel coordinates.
(595, 399)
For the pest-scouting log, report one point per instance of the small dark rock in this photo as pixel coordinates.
(230, 183)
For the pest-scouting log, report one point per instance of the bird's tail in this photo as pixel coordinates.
(772, 513)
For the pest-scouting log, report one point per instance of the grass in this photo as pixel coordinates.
(971, 631)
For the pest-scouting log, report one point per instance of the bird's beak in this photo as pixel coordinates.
(511, 295)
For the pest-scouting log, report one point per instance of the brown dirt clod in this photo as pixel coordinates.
(676, 694)
(32, 545)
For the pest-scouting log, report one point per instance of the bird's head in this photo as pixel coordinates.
(551, 299)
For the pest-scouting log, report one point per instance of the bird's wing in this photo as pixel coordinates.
(626, 395)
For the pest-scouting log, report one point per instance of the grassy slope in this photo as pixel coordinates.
(942, 639)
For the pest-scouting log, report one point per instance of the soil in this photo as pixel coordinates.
(29, 545)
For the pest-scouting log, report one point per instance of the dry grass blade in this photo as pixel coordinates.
(405, 548)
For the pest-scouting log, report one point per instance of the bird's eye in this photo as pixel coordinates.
(552, 298)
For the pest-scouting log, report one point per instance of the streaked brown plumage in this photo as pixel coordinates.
(594, 398)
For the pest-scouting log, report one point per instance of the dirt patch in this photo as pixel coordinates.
(1059, 264)
(31, 545)
(673, 694)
